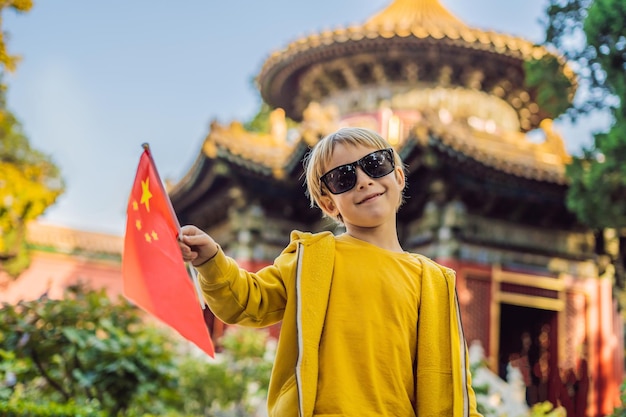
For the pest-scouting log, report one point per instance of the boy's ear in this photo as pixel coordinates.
(328, 205)
(400, 177)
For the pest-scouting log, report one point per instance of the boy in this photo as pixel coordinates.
(367, 328)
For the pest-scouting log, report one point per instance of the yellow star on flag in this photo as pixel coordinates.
(146, 195)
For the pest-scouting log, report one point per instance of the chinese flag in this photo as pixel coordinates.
(153, 271)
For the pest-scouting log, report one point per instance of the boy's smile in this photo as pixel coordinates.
(369, 198)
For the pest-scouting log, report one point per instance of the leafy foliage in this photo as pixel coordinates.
(29, 409)
(9, 62)
(83, 348)
(260, 123)
(235, 385)
(87, 355)
(598, 179)
(597, 193)
(605, 29)
(554, 89)
(566, 32)
(547, 409)
(591, 35)
(29, 183)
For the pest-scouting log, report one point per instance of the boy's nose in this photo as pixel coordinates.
(361, 177)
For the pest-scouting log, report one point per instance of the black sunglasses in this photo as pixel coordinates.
(343, 178)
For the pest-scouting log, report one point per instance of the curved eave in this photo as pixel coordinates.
(194, 183)
(278, 170)
(552, 175)
(500, 156)
(277, 79)
(206, 170)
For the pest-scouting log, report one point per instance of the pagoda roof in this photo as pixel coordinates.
(237, 167)
(233, 159)
(278, 158)
(412, 25)
(511, 153)
(418, 18)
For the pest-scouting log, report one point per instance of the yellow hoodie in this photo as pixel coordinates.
(295, 289)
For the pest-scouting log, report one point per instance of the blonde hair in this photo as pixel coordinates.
(316, 162)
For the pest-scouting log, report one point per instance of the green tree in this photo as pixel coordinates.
(568, 30)
(84, 349)
(591, 35)
(29, 181)
(88, 352)
(8, 62)
(260, 122)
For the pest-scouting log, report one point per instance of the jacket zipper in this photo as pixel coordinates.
(299, 328)
(461, 347)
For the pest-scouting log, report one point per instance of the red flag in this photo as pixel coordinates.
(153, 271)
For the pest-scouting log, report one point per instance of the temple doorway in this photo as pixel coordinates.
(527, 338)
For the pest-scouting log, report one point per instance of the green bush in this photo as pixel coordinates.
(87, 355)
(24, 408)
(234, 384)
(84, 348)
(621, 410)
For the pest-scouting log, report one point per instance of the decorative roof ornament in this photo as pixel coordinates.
(415, 14)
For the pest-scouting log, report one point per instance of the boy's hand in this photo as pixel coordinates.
(196, 246)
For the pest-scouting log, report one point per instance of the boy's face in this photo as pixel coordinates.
(373, 201)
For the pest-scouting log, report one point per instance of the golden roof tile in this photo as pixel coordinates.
(269, 150)
(509, 152)
(419, 18)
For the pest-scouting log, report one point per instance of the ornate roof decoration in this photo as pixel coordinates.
(509, 152)
(270, 153)
(428, 14)
(428, 18)
(408, 42)
(258, 151)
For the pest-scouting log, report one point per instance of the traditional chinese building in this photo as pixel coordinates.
(484, 196)
(62, 257)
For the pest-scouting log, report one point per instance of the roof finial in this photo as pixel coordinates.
(412, 13)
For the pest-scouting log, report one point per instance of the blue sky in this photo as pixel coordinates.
(98, 79)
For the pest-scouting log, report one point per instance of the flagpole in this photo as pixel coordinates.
(196, 283)
(190, 268)
(146, 147)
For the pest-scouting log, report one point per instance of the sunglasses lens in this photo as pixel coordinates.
(341, 179)
(378, 164)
